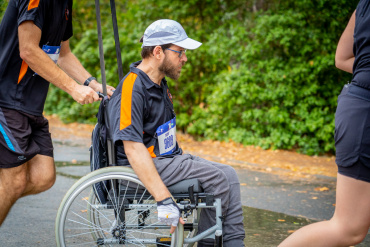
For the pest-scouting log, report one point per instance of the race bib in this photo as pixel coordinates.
(52, 52)
(166, 134)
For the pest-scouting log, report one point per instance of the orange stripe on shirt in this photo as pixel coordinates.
(33, 4)
(126, 100)
(151, 151)
(23, 71)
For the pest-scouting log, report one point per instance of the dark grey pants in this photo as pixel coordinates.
(215, 178)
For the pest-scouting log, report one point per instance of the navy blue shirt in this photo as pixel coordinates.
(361, 45)
(20, 87)
(136, 110)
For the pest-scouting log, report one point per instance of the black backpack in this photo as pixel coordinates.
(100, 141)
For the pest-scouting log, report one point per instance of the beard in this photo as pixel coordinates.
(170, 70)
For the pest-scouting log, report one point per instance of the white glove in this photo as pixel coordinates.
(168, 212)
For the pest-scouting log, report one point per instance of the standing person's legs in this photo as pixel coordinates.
(35, 176)
(218, 179)
(12, 185)
(27, 164)
(350, 223)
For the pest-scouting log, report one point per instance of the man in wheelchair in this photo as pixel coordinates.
(143, 126)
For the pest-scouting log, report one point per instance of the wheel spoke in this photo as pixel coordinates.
(84, 219)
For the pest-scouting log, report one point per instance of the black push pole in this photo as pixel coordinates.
(116, 39)
(101, 51)
(110, 145)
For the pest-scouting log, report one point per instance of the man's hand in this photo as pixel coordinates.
(84, 95)
(98, 87)
(169, 213)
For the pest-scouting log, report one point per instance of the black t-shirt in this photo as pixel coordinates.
(137, 109)
(20, 87)
(361, 45)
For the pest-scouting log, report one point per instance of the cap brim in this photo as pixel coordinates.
(188, 43)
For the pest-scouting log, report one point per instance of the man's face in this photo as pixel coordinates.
(172, 63)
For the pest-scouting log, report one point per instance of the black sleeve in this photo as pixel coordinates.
(31, 11)
(69, 30)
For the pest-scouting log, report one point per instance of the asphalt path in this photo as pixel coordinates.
(312, 198)
(31, 220)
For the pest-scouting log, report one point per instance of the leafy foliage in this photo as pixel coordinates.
(264, 75)
(3, 4)
(281, 91)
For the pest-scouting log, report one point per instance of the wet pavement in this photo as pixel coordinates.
(273, 206)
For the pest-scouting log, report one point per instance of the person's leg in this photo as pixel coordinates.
(218, 179)
(35, 176)
(233, 227)
(26, 164)
(348, 226)
(181, 167)
(12, 184)
(41, 175)
(41, 168)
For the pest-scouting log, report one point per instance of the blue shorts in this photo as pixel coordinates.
(352, 132)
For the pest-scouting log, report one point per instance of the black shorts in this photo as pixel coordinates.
(22, 136)
(352, 132)
(357, 171)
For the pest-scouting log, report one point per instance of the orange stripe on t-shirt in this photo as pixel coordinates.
(23, 71)
(126, 100)
(151, 151)
(33, 4)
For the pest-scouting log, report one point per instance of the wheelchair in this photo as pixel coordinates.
(111, 207)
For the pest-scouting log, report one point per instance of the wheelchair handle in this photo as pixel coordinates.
(100, 95)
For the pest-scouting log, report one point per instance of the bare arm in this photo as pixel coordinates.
(143, 165)
(72, 66)
(344, 57)
(29, 38)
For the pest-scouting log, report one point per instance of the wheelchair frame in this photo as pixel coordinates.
(77, 222)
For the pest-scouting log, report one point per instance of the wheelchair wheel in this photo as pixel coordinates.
(126, 216)
(94, 217)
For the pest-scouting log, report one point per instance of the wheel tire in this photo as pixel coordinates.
(82, 220)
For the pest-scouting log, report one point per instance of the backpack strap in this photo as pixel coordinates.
(105, 134)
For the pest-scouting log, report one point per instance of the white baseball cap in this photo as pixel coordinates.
(167, 31)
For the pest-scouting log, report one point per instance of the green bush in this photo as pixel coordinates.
(3, 4)
(281, 87)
